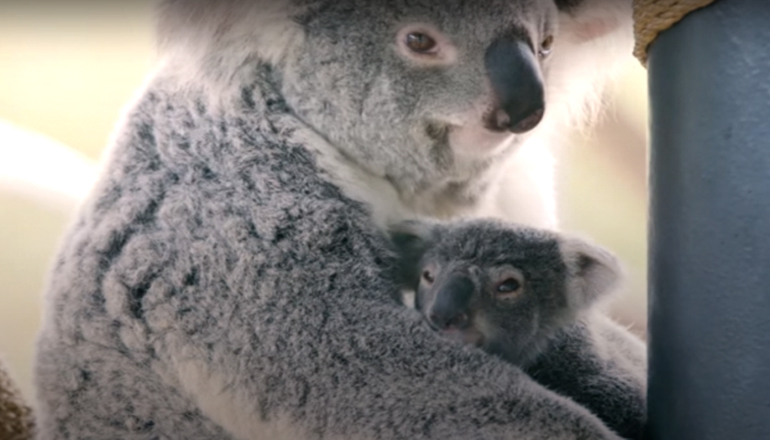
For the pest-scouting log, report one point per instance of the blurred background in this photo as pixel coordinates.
(67, 73)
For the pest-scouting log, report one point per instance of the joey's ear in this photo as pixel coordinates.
(592, 272)
(411, 238)
(588, 20)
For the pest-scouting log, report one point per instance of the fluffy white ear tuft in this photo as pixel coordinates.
(594, 41)
(592, 272)
(217, 43)
(587, 20)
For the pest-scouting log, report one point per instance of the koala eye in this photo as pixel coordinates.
(424, 45)
(508, 286)
(428, 277)
(420, 42)
(546, 46)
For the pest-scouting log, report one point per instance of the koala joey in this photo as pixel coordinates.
(503, 287)
(514, 291)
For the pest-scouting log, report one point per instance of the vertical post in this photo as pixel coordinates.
(709, 315)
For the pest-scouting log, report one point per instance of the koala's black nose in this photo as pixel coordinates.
(517, 84)
(450, 309)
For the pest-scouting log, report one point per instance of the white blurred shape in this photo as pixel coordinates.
(42, 169)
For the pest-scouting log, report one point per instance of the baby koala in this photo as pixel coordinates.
(505, 288)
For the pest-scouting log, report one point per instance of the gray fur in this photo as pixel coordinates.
(460, 266)
(611, 381)
(561, 280)
(229, 276)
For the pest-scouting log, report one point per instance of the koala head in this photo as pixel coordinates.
(502, 287)
(423, 93)
(429, 81)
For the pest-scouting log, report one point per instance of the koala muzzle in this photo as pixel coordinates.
(450, 309)
(517, 84)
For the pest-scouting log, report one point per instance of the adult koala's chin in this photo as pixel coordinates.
(229, 277)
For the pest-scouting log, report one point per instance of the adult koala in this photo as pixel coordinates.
(229, 277)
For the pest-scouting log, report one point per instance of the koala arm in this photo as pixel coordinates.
(602, 366)
(294, 360)
(289, 326)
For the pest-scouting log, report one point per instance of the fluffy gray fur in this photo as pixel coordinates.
(503, 287)
(518, 292)
(229, 276)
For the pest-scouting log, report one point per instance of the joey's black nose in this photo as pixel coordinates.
(517, 85)
(450, 308)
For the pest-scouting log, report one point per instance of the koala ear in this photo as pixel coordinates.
(411, 238)
(593, 272)
(218, 43)
(588, 20)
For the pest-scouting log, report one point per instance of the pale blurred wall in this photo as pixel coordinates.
(67, 72)
(67, 69)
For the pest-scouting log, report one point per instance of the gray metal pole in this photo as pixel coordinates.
(710, 225)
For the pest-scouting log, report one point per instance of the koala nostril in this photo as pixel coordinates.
(437, 320)
(497, 120)
(501, 120)
(443, 322)
(458, 321)
(529, 122)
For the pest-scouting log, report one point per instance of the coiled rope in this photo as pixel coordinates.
(651, 17)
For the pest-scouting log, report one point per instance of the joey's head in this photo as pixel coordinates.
(424, 93)
(502, 287)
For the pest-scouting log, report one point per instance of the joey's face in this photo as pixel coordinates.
(498, 289)
(421, 92)
(463, 301)
(507, 288)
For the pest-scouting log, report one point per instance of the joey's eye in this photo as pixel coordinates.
(546, 46)
(509, 285)
(420, 42)
(428, 277)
